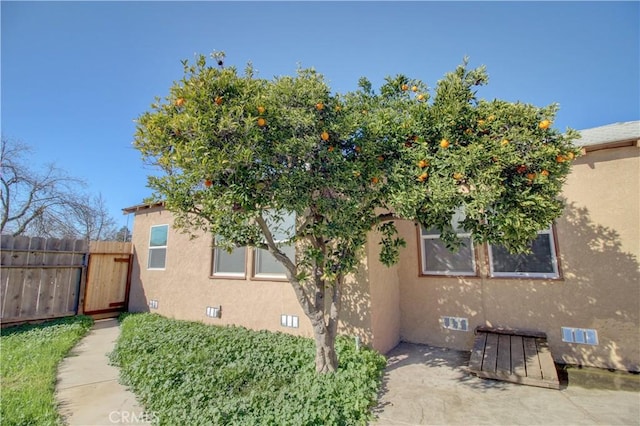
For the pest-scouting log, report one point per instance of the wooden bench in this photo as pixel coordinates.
(516, 356)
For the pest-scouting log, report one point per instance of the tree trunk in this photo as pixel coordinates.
(326, 356)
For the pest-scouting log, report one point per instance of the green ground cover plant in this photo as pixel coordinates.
(29, 357)
(192, 373)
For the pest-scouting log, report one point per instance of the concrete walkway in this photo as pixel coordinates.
(87, 388)
(424, 385)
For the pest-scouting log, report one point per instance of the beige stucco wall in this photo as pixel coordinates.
(184, 288)
(385, 298)
(598, 241)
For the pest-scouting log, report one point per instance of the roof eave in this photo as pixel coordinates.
(137, 208)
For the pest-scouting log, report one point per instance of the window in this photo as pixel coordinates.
(158, 247)
(229, 264)
(267, 265)
(437, 259)
(283, 230)
(540, 263)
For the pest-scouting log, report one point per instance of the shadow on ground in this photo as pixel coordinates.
(429, 385)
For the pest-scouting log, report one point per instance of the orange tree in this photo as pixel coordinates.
(237, 153)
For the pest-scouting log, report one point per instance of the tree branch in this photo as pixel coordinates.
(290, 271)
(385, 217)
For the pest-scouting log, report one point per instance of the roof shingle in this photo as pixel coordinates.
(616, 132)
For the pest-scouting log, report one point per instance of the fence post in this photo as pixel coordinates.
(83, 284)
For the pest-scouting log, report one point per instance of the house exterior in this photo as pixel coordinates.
(581, 286)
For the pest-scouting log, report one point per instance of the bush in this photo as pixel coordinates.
(197, 374)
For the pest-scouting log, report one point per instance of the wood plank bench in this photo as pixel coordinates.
(516, 356)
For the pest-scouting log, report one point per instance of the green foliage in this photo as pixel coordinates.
(336, 160)
(232, 147)
(29, 359)
(191, 373)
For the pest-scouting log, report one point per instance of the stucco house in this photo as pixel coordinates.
(581, 287)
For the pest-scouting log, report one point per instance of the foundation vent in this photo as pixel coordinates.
(455, 323)
(289, 321)
(584, 336)
(153, 304)
(214, 311)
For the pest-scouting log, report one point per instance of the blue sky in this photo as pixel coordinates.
(75, 75)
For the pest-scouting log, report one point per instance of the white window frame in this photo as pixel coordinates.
(424, 235)
(555, 274)
(222, 274)
(164, 247)
(256, 257)
(456, 219)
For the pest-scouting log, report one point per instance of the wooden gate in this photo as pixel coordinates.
(108, 278)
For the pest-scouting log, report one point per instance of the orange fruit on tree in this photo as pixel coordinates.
(420, 97)
(261, 109)
(504, 142)
(324, 136)
(218, 100)
(319, 106)
(531, 176)
(414, 88)
(468, 131)
(444, 143)
(380, 158)
(457, 175)
(358, 149)
(423, 176)
(545, 173)
(423, 163)
(405, 87)
(208, 183)
(559, 159)
(570, 155)
(338, 108)
(544, 124)
(179, 101)
(262, 122)
(330, 149)
(481, 122)
(375, 180)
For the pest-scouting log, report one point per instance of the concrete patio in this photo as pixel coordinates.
(425, 385)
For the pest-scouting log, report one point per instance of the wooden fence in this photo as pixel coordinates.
(47, 278)
(40, 277)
